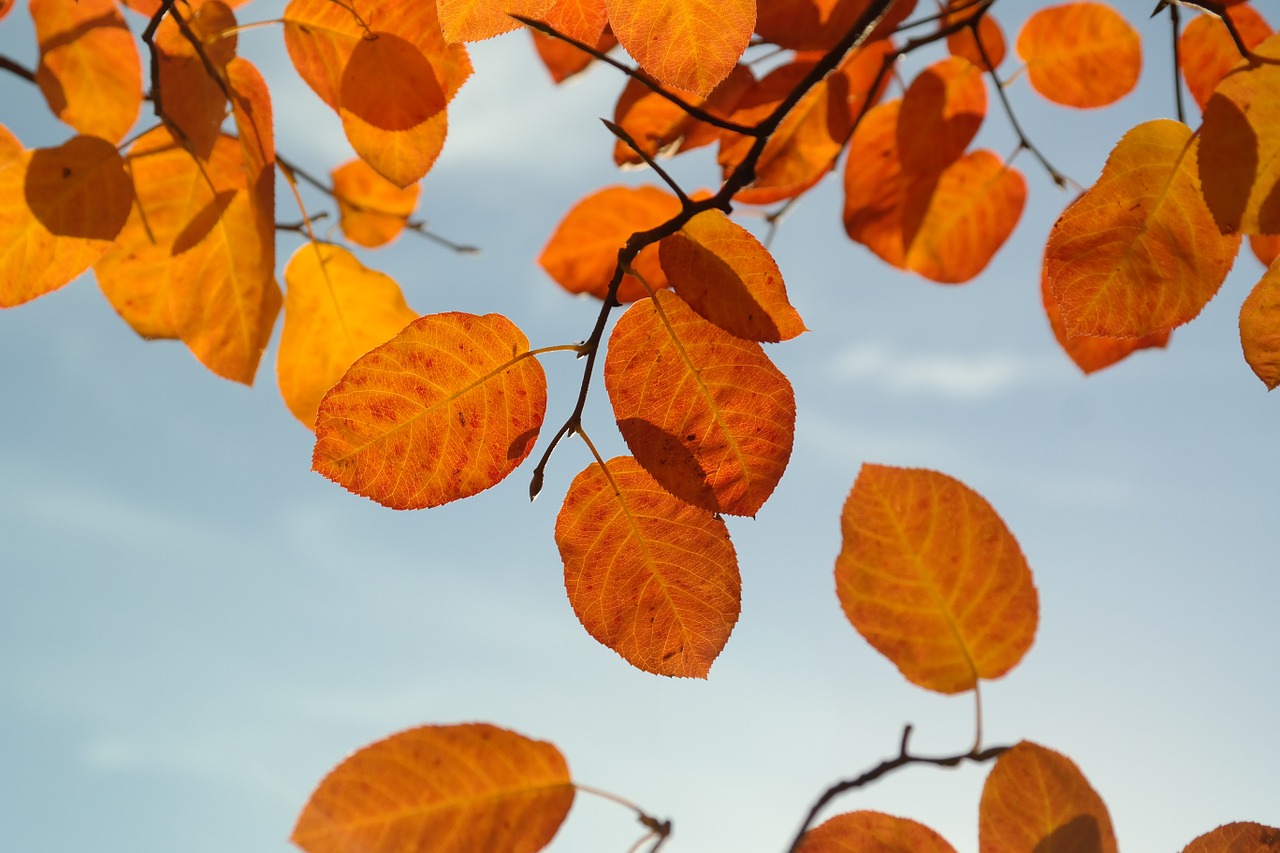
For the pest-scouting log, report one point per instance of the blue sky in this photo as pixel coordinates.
(194, 628)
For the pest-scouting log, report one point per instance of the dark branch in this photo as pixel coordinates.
(14, 68)
(1177, 64)
(617, 131)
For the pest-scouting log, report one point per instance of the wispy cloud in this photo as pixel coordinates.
(966, 376)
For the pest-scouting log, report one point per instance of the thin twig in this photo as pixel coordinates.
(617, 131)
(14, 68)
(1177, 64)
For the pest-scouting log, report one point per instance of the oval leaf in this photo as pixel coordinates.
(446, 789)
(474, 20)
(872, 832)
(705, 412)
(1080, 54)
(932, 579)
(335, 310)
(963, 43)
(1266, 247)
(193, 101)
(1260, 328)
(940, 114)
(1206, 51)
(445, 409)
(1237, 838)
(728, 277)
(689, 45)
(373, 210)
(1139, 252)
(1037, 801)
(648, 575)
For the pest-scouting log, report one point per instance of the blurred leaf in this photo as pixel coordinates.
(1080, 54)
(872, 832)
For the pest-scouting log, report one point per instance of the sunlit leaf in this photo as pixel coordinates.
(1260, 328)
(963, 43)
(659, 126)
(705, 412)
(193, 100)
(1266, 248)
(89, 70)
(1240, 146)
(63, 208)
(728, 277)
(251, 107)
(1139, 252)
(445, 409)
(10, 145)
(373, 210)
(819, 24)
(689, 45)
(583, 20)
(1037, 801)
(583, 252)
(475, 20)
(874, 185)
(649, 576)
(335, 310)
(940, 114)
(446, 789)
(1092, 354)
(872, 832)
(1080, 54)
(5, 6)
(932, 578)
(1206, 51)
(1237, 838)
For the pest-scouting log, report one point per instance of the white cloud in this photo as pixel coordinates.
(950, 375)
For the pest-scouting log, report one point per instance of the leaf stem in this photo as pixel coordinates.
(1177, 63)
(659, 828)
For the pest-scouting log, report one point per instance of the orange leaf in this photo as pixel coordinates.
(873, 185)
(1080, 54)
(705, 412)
(389, 84)
(819, 24)
(1266, 248)
(583, 20)
(689, 45)
(1237, 838)
(940, 114)
(335, 310)
(1260, 328)
(727, 276)
(1093, 354)
(89, 70)
(63, 208)
(5, 6)
(475, 20)
(1139, 252)
(1206, 51)
(648, 575)
(872, 832)
(660, 127)
(1240, 146)
(1036, 801)
(10, 145)
(402, 157)
(447, 789)
(962, 43)
(932, 579)
(373, 210)
(582, 254)
(251, 106)
(192, 100)
(445, 409)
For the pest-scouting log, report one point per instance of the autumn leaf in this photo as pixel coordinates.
(583, 20)
(728, 277)
(690, 45)
(64, 206)
(582, 253)
(335, 310)
(447, 789)
(1080, 54)
(930, 576)
(1139, 252)
(1266, 248)
(705, 412)
(819, 24)
(940, 114)
(372, 210)
(648, 575)
(193, 101)
(476, 20)
(1260, 328)
(1237, 838)
(1037, 801)
(962, 43)
(10, 145)
(1206, 51)
(1240, 146)
(872, 832)
(1092, 354)
(89, 70)
(445, 409)
(659, 126)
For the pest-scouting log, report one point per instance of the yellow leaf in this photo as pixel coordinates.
(689, 45)
(373, 211)
(1260, 327)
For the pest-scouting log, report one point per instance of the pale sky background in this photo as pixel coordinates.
(194, 628)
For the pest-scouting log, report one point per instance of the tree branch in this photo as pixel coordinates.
(14, 68)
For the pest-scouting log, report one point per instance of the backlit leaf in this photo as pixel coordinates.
(1240, 146)
(1206, 51)
(583, 252)
(446, 789)
(1237, 838)
(89, 70)
(658, 126)
(474, 20)
(373, 210)
(689, 45)
(1080, 54)
(872, 832)
(1092, 354)
(63, 208)
(1037, 801)
(10, 145)
(728, 277)
(1266, 248)
(940, 114)
(648, 575)
(5, 6)
(819, 24)
(874, 185)
(583, 20)
(445, 409)
(335, 310)
(192, 100)
(1139, 252)
(932, 579)
(251, 106)
(705, 412)
(964, 44)
(1260, 328)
